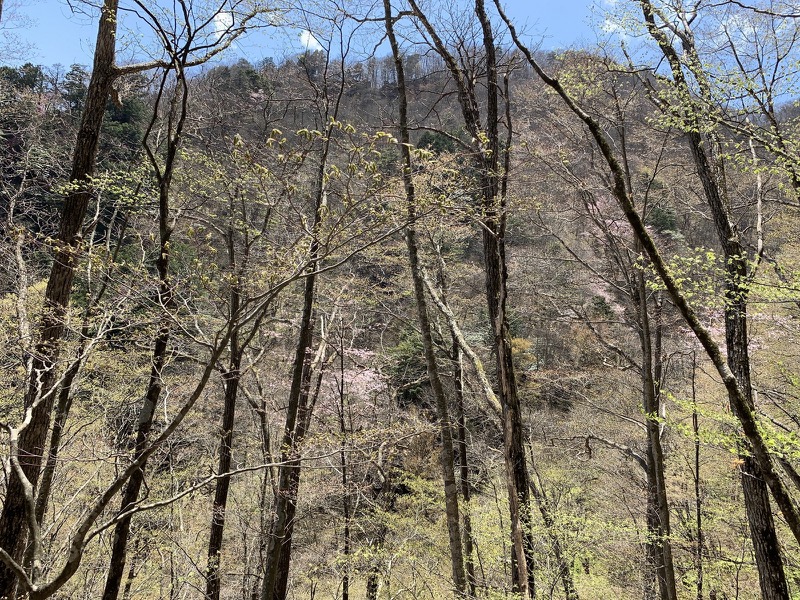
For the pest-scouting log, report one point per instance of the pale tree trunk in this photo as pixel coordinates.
(463, 464)
(57, 296)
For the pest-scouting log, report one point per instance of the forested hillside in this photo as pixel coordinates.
(420, 312)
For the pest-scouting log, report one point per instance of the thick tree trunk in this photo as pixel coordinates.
(755, 491)
(57, 295)
(756, 494)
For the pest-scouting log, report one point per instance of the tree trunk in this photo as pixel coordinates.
(658, 517)
(493, 219)
(57, 295)
(445, 426)
(698, 500)
(343, 465)
(463, 463)
(232, 379)
(280, 540)
(756, 494)
(166, 301)
(288, 474)
(276, 563)
(116, 568)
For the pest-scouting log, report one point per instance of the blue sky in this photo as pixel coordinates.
(57, 35)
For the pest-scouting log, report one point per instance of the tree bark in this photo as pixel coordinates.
(658, 517)
(741, 405)
(493, 220)
(279, 543)
(57, 295)
(445, 426)
(130, 496)
(232, 379)
(756, 495)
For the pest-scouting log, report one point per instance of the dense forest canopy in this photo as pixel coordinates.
(418, 312)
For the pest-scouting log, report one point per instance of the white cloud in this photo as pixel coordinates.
(223, 21)
(309, 42)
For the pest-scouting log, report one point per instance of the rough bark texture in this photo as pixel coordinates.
(756, 495)
(486, 153)
(57, 295)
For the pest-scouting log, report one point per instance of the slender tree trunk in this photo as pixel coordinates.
(65, 392)
(461, 425)
(495, 266)
(276, 567)
(445, 426)
(130, 496)
(57, 296)
(232, 379)
(493, 221)
(288, 474)
(343, 465)
(155, 384)
(463, 463)
(658, 517)
(307, 402)
(698, 500)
